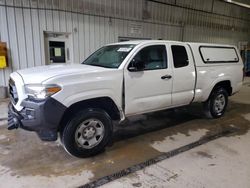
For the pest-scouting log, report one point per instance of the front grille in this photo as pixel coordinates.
(13, 91)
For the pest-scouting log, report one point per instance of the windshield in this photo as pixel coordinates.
(109, 56)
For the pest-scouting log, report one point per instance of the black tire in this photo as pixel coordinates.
(210, 106)
(69, 133)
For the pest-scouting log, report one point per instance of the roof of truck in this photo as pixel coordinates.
(136, 42)
(141, 41)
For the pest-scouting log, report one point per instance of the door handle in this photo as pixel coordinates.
(166, 77)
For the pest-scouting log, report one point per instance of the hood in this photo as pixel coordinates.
(40, 74)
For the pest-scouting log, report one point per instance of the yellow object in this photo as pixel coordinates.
(3, 62)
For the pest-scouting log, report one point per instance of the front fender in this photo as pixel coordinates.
(81, 96)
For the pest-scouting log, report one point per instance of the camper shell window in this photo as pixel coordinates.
(218, 54)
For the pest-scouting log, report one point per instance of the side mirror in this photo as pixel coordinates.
(136, 65)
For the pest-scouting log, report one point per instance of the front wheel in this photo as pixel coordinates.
(216, 105)
(87, 133)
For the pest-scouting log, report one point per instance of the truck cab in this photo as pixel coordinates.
(160, 85)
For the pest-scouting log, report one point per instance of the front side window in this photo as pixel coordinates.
(153, 57)
(109, 56)
(180, 56)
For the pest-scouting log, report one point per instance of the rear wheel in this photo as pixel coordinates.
(87, 133)
(216, 105)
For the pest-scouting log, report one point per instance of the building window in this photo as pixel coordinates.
(57, 52)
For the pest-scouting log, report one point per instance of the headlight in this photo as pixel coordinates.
(41, 91)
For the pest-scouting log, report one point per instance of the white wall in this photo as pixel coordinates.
(96, 22)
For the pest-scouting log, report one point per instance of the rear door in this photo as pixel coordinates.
(150, 89)
(183, 74)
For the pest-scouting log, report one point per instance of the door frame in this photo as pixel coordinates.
(59, 37)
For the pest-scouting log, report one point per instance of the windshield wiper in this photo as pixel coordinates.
(98, 65)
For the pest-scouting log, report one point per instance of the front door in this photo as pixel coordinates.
(58, 48)
(150, 89)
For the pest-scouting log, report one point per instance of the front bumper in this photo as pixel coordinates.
(43, 117)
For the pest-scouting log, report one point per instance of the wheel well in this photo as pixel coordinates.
(226, 85)
(104, 103)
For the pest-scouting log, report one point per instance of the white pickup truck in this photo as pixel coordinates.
(81, 101)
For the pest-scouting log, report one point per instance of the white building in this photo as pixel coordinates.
(40, 32)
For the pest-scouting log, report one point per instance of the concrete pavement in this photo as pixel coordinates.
(220, 163)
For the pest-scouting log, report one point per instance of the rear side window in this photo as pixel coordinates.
(179, 56)
(218, 54)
